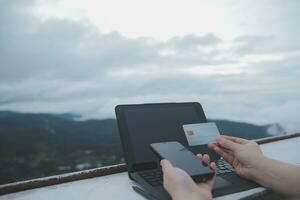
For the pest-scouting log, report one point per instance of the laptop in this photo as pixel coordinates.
(142, 124)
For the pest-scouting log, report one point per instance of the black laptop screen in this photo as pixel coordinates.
(151, 124)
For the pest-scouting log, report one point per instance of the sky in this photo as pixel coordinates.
(239, 59)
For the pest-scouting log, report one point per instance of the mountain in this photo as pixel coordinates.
(274, 129)
(247, 130)
(38, 145)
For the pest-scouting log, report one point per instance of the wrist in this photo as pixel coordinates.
(257, 172)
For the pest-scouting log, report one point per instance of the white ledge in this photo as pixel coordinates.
(118, 186)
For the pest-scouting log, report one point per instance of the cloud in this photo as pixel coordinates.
(76, 49)
(263, 44)
(60, 65)
(191, 42)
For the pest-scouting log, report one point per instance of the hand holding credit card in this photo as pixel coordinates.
(201, 133)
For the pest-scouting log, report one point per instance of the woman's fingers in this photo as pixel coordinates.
(229, 145)
(225, 154)
(214, 167)
(206, 159)
(199, 155)
(236, 139)
(214, 146)
(166, 165)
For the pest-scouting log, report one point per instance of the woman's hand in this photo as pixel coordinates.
(243, 155)
(249, 162)
(181, 186)
(204, 187)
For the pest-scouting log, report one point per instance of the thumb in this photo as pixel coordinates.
(165, 164)
(232, 146)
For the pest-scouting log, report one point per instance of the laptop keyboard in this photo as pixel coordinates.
(154, 177)
(223, 166)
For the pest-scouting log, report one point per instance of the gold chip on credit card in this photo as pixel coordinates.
(189, 133)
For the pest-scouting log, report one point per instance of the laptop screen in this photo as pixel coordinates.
(159, 123)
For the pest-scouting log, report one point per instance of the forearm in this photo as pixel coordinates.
(191, 195)
(278, 176)
(183, 196)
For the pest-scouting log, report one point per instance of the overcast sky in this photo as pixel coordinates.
(239, 59)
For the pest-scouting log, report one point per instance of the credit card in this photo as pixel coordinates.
(201, 133)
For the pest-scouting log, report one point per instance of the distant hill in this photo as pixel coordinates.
(246, 130)
(37, 145)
